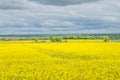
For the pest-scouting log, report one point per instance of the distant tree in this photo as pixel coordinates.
(79, 37)
(52, 38)
(36, 40)
(3, 39)
(55, 39)
(66, 37)
(92, 37)
(58, 39)
(72, 37)
(75, 37)
(106, 38)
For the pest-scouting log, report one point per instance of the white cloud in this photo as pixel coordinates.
(29, 17)
(56, 23)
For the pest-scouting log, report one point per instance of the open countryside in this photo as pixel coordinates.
(59, 39)
(71, 60)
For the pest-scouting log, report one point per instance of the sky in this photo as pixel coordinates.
(59, 16)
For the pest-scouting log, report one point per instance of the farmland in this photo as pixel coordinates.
(72, 60)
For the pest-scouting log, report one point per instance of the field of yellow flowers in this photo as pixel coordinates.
(73, 60)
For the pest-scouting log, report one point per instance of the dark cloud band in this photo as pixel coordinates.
(23, 4)
(62, 2)
(13, 4)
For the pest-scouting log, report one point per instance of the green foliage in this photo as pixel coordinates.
(36, 40)
(106, 38)
(55, 39)
(64, 36)
(3, 39)
(58, 39)
(52, 38)
(79, 37)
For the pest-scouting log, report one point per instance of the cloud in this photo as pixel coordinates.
(62, 2)
(56, 23)
(16, 4)
(12, 4)
(29, 17)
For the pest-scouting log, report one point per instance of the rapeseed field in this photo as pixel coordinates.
(72, 60)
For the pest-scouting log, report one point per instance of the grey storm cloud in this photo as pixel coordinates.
(22, 4)
(62, 2)
(12, 4)
(55, 16)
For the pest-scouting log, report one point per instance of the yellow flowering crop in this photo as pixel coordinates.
(73, 60)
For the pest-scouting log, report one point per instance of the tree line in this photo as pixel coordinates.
(53, 38)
